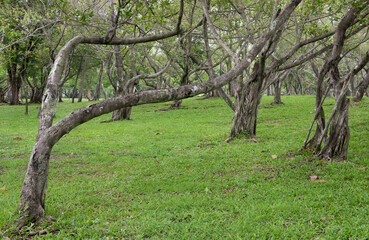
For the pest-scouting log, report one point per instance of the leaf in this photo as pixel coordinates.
(274, 156)
(3, 188)
(363, 169)
(190, 171)
(255, 141)
(323, 218)
(312, 178)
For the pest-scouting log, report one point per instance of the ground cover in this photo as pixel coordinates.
(171, 175)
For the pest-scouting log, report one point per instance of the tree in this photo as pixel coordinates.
(32, 201)
(335, 133)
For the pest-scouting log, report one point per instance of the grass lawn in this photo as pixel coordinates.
(171, 175)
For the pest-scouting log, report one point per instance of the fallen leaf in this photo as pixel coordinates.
(228, 140)
(312, 178)
(190, 171)
(323, 218)
(71, 153)
(274, 156)
(3, 188)
(253, 139)
(159, 133)
(17, 138)
(301, 196)
(231, 187)
(363, 169)
(254, 159)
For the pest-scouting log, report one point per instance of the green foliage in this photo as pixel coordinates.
(170, 175)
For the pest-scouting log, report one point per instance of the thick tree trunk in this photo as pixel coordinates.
(37, 93)
(362, 88)
(337, 142)
(15, 84)
(277, 92)
(248, 98)
(32, 201)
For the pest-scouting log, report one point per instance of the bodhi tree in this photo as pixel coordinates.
(32, 200)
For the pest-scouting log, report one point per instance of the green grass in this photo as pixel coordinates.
(171, 175)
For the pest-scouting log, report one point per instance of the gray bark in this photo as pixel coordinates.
(336, 132)
(361, 88)
(99, 83)
(83, 76)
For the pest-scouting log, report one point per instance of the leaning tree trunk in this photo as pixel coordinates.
(336, 143)
(32, 201)
(361, 89)
(319, 116)
(336, 134)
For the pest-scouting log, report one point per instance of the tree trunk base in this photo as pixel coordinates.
(176, 104)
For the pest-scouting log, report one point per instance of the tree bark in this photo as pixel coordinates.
(99, 83)
(15, 84)
(361, 88)
(336, 133)
(74, 92)
(277, 92)
(248, 98)
(82, 84)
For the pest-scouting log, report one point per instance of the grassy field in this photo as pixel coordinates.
(171, 175)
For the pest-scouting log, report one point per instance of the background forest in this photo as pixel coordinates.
(243, 57)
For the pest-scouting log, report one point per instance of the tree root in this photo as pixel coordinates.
(27, 228)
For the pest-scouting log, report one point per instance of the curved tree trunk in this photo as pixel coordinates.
(336, 133)
(362, 88)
